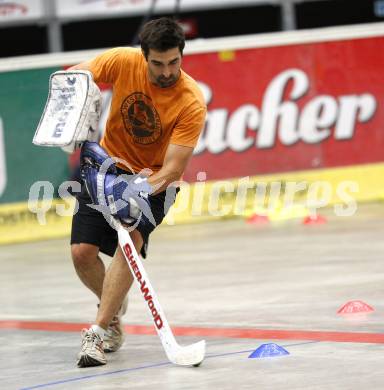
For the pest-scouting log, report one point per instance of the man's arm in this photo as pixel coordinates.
(175, 161)
(82, 66)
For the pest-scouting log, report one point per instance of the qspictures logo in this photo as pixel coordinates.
(141, 119)
(3, 170)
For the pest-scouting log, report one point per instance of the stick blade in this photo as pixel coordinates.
(191, 355)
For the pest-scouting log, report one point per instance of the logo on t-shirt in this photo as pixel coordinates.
(141, 119)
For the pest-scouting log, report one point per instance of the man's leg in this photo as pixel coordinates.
(116, 277)
(117, 282)
(91, 271)
(89, 267)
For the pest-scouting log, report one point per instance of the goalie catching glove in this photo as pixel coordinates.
(123, 196)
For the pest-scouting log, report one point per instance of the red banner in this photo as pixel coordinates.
(288, 108)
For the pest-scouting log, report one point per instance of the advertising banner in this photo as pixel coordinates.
(297, 122)
(83, 8)
(290, 108)
(22, 99)
(21, 10)
(3, 168)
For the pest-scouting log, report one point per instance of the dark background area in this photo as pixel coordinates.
(15, 41)
(100, 33)
(207, 23)
(337, 12)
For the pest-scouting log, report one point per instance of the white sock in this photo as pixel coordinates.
(99, 330)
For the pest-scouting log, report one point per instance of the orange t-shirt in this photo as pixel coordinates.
(144, 119)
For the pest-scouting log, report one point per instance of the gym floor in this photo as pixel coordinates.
(236, 285)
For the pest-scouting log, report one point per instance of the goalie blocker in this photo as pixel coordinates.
(72, 111)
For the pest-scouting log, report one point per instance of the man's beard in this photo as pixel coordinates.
(163, 82)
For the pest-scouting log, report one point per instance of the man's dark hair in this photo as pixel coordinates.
(161, 35)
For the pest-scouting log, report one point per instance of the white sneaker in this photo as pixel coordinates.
(91, 353)
(114, 336)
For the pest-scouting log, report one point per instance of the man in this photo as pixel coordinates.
(157, 114)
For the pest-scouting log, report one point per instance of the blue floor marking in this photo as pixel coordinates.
(81, 378)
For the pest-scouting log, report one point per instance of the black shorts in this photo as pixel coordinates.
(89, 225)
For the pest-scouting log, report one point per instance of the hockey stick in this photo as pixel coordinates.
(184, 356)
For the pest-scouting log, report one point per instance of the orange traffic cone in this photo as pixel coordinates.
(352, 307)
(257, 219)
(314, 220)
